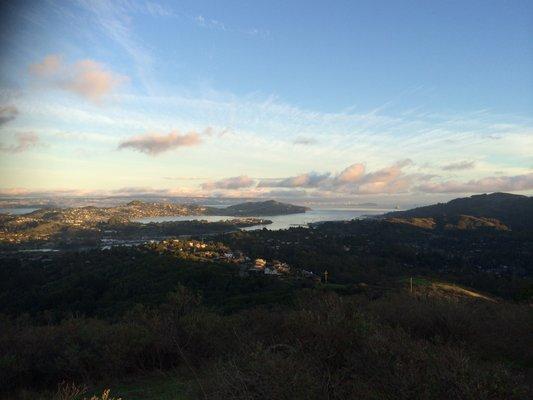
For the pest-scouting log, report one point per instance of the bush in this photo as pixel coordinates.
(325, 346)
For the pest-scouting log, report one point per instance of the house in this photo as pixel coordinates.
(271, 271)
(281, 267)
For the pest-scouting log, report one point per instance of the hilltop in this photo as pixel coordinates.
(496, 210)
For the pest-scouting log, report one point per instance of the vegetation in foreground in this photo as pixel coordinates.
(395, 344)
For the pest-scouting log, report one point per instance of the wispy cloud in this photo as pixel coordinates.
(154, 143)
(158, 10)
(304, 141)
(210, 23)
(24, 142)
(459, 166)
(7, 114)
(236, 182)
(86, 78)
(214, 24)
(114, 20)
(488, 184)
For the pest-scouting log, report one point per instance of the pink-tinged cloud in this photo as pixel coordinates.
(51, 65)
(86, 78)
(354, 180)
(351, 174)
(24, 142)
(387, 174)
(311, 179)
(488, 184)
(459, 166)
(236, 182)
(92, 81)
(7, 113)
(387, 180)
(154, 144)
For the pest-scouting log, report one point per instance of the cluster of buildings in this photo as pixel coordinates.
(199, 250)
(211, 251)
(274, 267)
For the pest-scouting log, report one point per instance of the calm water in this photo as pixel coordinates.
(282, 221)
(17, 211)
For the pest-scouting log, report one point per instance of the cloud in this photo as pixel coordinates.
(304, 141)
(86, 78)
(236, 182)
(213, 24)
(284, 193)
(49, 66)
(351, 174)
(130, 191)
(25, 141)
(488, 184)
(7, 113)
(459, 166)
(19, 192)
(154, 144)
(115, 20)
(311, 179)
(158, 10)
(387, 180)
(210, 23)
(354, 180)
(91, 80)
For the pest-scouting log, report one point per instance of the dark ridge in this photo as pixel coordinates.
(515, 211)
(269, 207)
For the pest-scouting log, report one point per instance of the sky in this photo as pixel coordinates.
(335, 100)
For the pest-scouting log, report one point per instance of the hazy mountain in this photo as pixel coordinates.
(489, 210)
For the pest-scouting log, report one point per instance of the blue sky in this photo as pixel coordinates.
(285, 99)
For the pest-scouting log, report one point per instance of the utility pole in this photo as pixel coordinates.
(325, 276)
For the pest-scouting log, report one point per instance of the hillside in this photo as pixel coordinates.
(461, 222)
(510, 210)
(261, 208)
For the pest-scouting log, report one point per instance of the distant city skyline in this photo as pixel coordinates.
(405, 101)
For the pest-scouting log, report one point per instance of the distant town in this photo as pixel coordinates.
(91, 226)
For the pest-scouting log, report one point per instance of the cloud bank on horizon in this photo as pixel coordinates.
(391, 180)
(113, 107)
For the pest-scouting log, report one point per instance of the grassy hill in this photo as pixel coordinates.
(513, 211)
